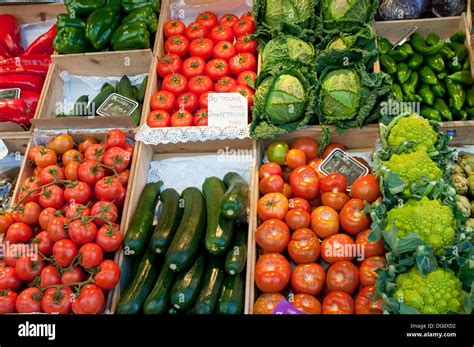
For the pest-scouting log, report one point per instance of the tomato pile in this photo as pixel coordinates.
(313, 237)
(67, 212)
(208, 55)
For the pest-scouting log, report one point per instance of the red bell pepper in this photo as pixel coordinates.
(15, 111)
(24, 82)
(4, 53)
(37, 70)
(43, 44)
(10, 36)
(31, 100)
(34, 59)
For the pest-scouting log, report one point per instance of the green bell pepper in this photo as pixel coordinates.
(459, 49)
(457, 95)
(83, 8)
(115, 6)
(71, 40)
(407, 48)
(144, 15)
(430, 113)
(460, 115)
(100, 27)
(389, 65)
(397, 91)
(432, 39)
(419, 44)
(403, 72)
(454, 65)
(442, 75)
(398, 54)
(410, 85)
(427, 75)
(426, 94)
(64, 20)
(415, 61)
(435, 62)
(132, 5)
(458, 37)
(462, 77)
(447, 53)
(443, 109)
(438, 90)
(384, 45)
(469, 112)
(131, 36)
(466, 66)
(412, 98)
(470, 97)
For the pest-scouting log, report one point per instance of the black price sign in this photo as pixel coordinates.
(339, 161)
(117, 105)
(8, 94)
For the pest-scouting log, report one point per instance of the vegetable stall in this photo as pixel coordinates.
(230, 157)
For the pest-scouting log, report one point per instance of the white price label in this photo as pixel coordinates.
(227, 110)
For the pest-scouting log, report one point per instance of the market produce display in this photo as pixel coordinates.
(24, 68)
(103, 25)
(62, 231)
(209, 55)
(193, 259)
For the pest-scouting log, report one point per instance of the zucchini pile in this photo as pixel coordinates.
(193, 259)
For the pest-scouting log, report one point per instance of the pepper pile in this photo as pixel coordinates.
(434, 72)
(100, 25)
(22, 68)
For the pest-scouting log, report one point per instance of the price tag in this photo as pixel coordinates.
(3, 149)
(117, 105)
(284, 307)
(227, 110)
(341, 162)
(8, 94)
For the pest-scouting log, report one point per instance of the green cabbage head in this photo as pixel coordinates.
(281, 99)
(286, 48)
(347, 10)
(340, 95)
(296, 12)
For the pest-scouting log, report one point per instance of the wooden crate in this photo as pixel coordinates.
(149, 153)
(16, 142)
(110, 64)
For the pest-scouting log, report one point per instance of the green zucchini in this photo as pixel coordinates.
(132, 299)
(124, 87)
(168, 222)
(106, 85)
(142, 90)
(185, 245)
(80, 108)
(105, 92)
(135, 92)
(138, 234)
(186, 288)
(237, 256)
(157, 301)
(231, 300)
(214, 277)
(219, 229)
(136, 115)
(235, 200)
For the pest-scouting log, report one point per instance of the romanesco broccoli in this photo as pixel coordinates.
(413, 128)
(439, 292)
(430, 219)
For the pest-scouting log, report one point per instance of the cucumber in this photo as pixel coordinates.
(231, 300)
(235, 200)
(186, 288)
(124, 87)
(169, 221)
(138, 234)
(106, 85)
(237, 256)
(105, 92)
(214, 277)
(136, 293)
(136, 115)
(185, 245)
(142, 90)
(79, 109)
(135, 92)
(157, 301)
(219, 229)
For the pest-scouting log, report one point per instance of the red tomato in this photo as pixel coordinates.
(90, 300)
(7, 301)
(295, 158)
(247, 78)
(272, 273)
(297, 219)
(308, 279)
(193, 66)
(168, 64)
(82, 231)
(368, 270)
(28, 301)
(91, 255)
(308, 146)
(366, 188)
(247, 15)
(200, 84)
(273, 235)
(195, 31)
(90, 172)
(108, 275)
(51, 173)
(366, 302)
(115, 138)
(330, 147)
(177, 44)
(299, 203)
(9, 279)
(334, 182)
(181, 119)
(6, 219)
(242, 62)
(72, 156)
(353, 217)
(200, 118)
(130, 149)
(228, 20)
(108, 188)
(203, 100)
(201, 48)
(163, 100)
(45, 157)
(49, 277)
(86, 143)
(95, 152)
(55, 230)
(57, 300)
(207, 19)
(287, 191)
(304, 182)
(337, 247)
(272, 206)
(52, 196)
(64, 252)
(30, 186)
(269, 169)
(74, 275)
(343, 276)
(187, 102)
(117, 158)
(334, 200)
(121, 200)
(71, 171)
(246, 44)
(78, 192)
(271, 184)
(370, 248)
(225, 84)
(33, 151)
(158, 119)
(224, 50)
(307, 303)
(245, 91)
(267, 302)
(28, 267)
(104, 210)
(173, 27)
(216, 69)
(304, 246)
(221, 33)
(45, 244)
(77, 210)
(243, 27)
(18, 232)
(29, 213)
(109, 238)
(338, 303)
(175, 83)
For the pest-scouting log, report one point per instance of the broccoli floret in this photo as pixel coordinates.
(439, 292)
(413, 128)
(430, 219)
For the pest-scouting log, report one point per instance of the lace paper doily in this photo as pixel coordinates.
(156, 136)
(75, 131)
